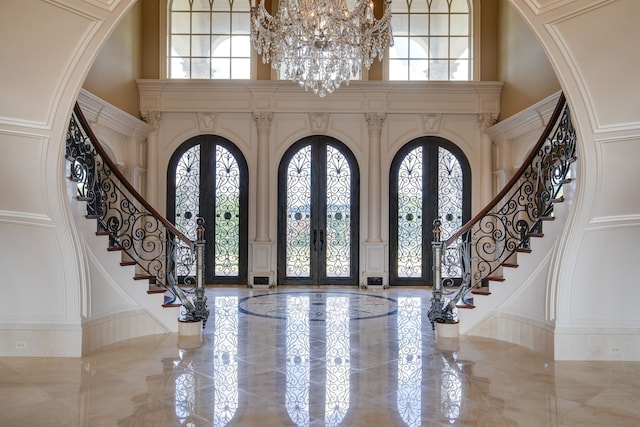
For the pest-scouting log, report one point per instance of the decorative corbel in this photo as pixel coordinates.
(431, 122)
(207, 122)
(319, 122)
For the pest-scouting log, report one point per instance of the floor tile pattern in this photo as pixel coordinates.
(319, 356)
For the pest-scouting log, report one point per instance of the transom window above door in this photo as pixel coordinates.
(209, 39)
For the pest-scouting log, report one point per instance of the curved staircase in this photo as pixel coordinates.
(502, 258)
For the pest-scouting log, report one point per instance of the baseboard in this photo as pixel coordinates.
(526, 332)
(106, 330)
(40, 340)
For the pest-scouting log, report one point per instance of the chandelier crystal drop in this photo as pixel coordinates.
(321, 43)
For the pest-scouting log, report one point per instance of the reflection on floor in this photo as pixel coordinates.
(317, 357)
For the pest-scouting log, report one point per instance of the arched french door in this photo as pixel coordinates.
(318, 194)
(207, 177)
(430, 178)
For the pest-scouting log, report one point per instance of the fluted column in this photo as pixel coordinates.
(263, 125)
(485, 121)
(153, 119)
(374, 123)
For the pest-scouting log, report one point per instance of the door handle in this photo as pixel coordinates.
(315, 237)
(321, 239)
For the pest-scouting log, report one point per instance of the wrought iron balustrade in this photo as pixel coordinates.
(161, 253)
(490, 239)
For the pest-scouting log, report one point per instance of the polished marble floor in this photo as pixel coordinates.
(321, 356)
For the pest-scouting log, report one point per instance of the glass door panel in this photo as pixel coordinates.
(317, 216)
(430, 179)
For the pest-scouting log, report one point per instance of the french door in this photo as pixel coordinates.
(207, 177)
(318, 194)
(430, 179)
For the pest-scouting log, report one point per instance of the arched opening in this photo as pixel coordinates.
(208, 177)
(318, 209)
(430, 178)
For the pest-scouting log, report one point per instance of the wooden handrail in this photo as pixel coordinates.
(125, 182)
(513, 181)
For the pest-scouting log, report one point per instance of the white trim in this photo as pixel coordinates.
(233, 96)
(98, 111)
(530, 119)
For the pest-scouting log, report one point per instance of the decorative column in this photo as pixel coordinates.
(151, 194)
(486, 120)
(374, 123)
(261, 270)
(374, 271)
(263, 124)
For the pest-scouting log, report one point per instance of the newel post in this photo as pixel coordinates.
(200, 301)
(436, 311)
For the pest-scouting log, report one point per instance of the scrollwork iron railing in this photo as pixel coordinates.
(160, 251)
(487, 242)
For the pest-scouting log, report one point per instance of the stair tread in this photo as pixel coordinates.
(523, 250)
(509, 264)
(496, 278)
(535, 234)
(156, 290)
(469, 306)
(126, 263)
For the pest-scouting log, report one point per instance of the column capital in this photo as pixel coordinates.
(262, 120)
(152, 118)
(486, 120)
(375, 120)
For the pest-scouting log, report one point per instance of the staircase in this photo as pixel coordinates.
(157, 266)
(494, 270)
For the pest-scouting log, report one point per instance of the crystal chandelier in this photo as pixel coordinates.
(321, 43)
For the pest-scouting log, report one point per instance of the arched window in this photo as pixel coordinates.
(432, 40)
(209, 39)
(430, 178)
